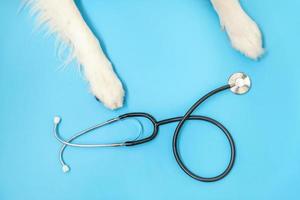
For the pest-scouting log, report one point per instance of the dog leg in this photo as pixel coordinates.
(64, 19)
(243, 32)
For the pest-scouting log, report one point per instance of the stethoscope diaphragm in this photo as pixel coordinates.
(240, 83)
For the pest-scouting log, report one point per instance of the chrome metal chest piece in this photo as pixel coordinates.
(240, 83)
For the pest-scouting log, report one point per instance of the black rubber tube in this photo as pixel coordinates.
(181, 121)
(225, 131)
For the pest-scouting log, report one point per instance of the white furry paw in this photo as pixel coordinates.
(243, 32)
(245, 36)
(108, 90)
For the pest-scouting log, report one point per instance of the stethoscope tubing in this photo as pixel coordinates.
(225, 131)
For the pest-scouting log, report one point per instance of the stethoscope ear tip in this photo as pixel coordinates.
(56, 120)
(65, 168)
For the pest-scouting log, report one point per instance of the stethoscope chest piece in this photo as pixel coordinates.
(240, 83)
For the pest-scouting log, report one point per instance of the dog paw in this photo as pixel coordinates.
(108, 89)
(242, 31)
(244, 35)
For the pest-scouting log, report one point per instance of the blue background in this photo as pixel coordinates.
(168, 53)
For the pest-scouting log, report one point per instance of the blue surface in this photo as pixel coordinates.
(168, 53)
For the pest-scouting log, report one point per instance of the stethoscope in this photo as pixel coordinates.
(239, 83)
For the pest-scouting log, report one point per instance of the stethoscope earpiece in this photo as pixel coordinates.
(56, 120)
(239, 83)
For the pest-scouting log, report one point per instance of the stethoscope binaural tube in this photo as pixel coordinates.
(239, 83)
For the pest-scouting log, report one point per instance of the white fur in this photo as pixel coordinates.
(243, 32)
(64, 19)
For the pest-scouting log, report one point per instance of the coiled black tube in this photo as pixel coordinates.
(186, 117)
(181, 121)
